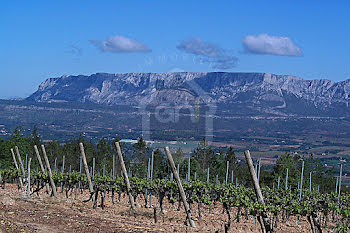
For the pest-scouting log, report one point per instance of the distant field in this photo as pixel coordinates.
(265, 136)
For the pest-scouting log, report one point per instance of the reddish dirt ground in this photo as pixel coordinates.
(48, 214)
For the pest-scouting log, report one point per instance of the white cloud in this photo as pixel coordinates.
(120, 44)
(209, 53)
(275, 45)
(198, 47)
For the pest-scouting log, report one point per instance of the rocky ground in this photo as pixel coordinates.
(19, 213)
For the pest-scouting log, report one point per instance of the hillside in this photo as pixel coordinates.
(262, 93)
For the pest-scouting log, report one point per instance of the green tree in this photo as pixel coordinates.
(160, 168)
(217, 164)
(195, 168)
(104, 154)
(141, 151)
(231, 157)
(178, 156)
(202, 154)
(320, 175)
(17, 138)
(5, 162)
(35, 138)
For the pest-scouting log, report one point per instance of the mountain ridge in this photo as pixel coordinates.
(254, 90)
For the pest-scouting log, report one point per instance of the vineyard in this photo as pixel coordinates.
(267, 209)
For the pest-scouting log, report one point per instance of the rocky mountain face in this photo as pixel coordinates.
(263, 92)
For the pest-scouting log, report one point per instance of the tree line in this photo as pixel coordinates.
(221, 162)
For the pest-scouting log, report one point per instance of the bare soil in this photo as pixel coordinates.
(42, 213)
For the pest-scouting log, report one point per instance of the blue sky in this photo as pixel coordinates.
(42, 39)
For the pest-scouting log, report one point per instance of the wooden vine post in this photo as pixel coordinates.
(20, 162)
(151, 179)
(52, 183)
(28, 179)
(258, 192)
(14, 159)
(16, 165)
(126, 178)
(181, 190)
(86, 167)
(41, 166)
